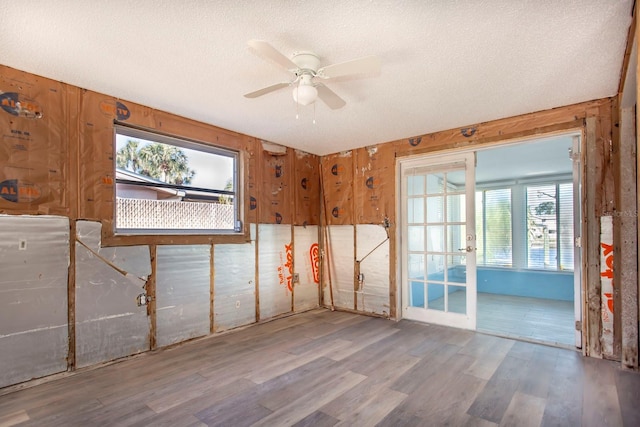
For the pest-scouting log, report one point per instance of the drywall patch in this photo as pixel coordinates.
(34, 255)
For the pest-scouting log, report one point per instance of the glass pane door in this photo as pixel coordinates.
(438, 243)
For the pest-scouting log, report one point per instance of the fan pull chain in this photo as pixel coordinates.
(314, 113)
(297, 105)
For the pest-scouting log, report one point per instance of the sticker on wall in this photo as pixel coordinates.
(253, 203)
(337, 169)
(19, 105)
(314, 254)
(304, 183)
(414, 142)
(278, 171)
(468, 132)
(19, 191)
(115, 108)
(278, 218)
(285, 269)
(337, 212)
(372, 183)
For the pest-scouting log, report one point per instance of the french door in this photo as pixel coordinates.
(439, 240)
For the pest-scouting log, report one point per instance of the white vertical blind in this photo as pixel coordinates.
(493, 227)
(550, 226)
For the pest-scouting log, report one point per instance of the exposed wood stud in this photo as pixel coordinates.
(150, 289)
(626, 241)
(393, 268)
(71, 297)
(212, 325)
(592, 241)
(356, 268)
(257, 273)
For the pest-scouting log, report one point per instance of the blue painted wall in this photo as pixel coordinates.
(503, 281)
(554, 285)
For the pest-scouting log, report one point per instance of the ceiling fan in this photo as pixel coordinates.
(309, 76)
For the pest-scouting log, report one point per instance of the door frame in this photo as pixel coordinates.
(579, 224)
(440, 163)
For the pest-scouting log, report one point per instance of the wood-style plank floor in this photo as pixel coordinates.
(546, 320)
(324, 368)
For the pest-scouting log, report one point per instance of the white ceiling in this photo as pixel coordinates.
(445, 64)
(528, 160)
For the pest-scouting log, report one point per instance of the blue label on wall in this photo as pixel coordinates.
(122, 112)
(16, 105)
(415, 141)
(17, 191)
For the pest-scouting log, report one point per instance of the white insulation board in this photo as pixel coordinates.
(275, 272)
(340, 254)
(307, 265)
(34, 263)
(183, 293)
(109, 323)
(234, 302)
(374, 294)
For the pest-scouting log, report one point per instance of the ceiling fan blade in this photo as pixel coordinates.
(366, 65)
(266, 90)
(269, 52)
(330, 98)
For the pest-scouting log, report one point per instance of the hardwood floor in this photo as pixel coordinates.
(324, 368)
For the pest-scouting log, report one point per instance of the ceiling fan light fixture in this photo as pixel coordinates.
(305, 94)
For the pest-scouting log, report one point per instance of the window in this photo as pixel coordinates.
(493, 234)
(167, 185)
(526, 226)
(550, 226)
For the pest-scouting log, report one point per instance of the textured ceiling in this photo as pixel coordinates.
(445, 63)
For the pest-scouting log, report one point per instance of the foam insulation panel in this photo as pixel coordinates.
(340, 252)
(34, 255)
(109, 323)
(307, 265)
(275, 269)
(373, 295)
(183, 289)
(234, 302)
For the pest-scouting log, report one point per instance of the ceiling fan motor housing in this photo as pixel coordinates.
(306, 61)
